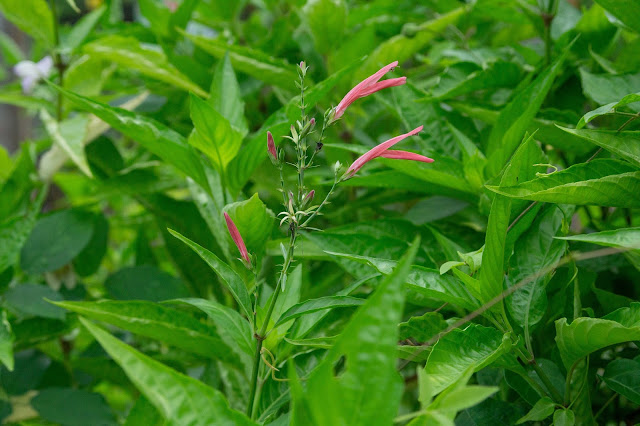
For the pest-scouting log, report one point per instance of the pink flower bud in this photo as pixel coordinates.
(312, 121)
(271, 147)
(237, 239)
(309, 197)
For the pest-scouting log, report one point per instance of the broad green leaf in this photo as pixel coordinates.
(545, 130)
(143, 412)
(620, 238)
(254, 221)
(540, 411)
(564, 417)
(585, 335)
(144, 282)
(465, 77)
(516, 117)
(179, 398)
(149, 319)
(69, 136)
(253, 62)
(314, 305)
(228, 276)
(82, 29)
(627, 11)
(534, 252)
(460, 399)
(422, 328)
(72, 407)
(368, 344)
(402, 47)
(29, 300)
(474, 347)
(213, 134)
(15, 231)
(607, 88)
(326, 20)
(6, 341)
(623, 376)
(152, 135)
(226, 97)
(129, 53)
(33, 17)
(89, 259)
(55, 240)
(605, 109)
(233, 329)
(602, 182)
(420, 282)
(623, 144)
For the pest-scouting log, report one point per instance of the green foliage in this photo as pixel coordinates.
(494, 285)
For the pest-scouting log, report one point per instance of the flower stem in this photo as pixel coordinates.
(326, 199)
(262, 334)
(57, 58)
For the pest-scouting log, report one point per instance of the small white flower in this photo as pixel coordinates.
(31, 72)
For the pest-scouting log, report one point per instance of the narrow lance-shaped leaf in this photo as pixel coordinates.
(228, 276)
(315, 305)
(623, 144)
(180, 399)
(602, 182)
(152, 135)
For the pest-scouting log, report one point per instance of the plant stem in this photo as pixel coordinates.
(262, 334)
(545, 379)
(326, 199)
(57, 58)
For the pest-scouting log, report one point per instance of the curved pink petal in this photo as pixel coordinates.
(405, 155)
(377, 151)
(237, 239)
(392, 82)
(362, 87)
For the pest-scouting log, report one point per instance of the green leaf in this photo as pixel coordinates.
(227, 276)
(72, 407)
(540, 411)
(89, 259)
(606, 109)
(128, 52)
(465, 77)
(535, 251)
(14, 232)
(254, 221)
(213, 134)
(253, 62)
(233, 329)
(179, 398)
(315, 305)
(55, 240)
(69, 136)
(475, 347)
(6, 342)
(460, 399)
(607, 88)
(402, 47)
(623, 376)
(627, 11)
(82, 29)
(144, 282)
(149, 319)
(326, 20)
(620, 238)
(421, 282)
(564, 417)
(32, 16)
(623, 144)
(586, 335)
(422, 328)
(143, 412)
(516, 117)
(226, 97)
(602, 182)
(161, 140)
(29, 300)
(368, 345)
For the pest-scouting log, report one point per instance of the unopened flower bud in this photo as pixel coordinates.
(271, 148)
(308, 198)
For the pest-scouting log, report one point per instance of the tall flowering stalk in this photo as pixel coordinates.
(298, 213)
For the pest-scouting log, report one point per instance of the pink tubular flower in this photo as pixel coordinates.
(368, 86)
(271, 147)
(382, 151)
(237, 239)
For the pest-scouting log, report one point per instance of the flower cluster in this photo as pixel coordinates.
(296, 209)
